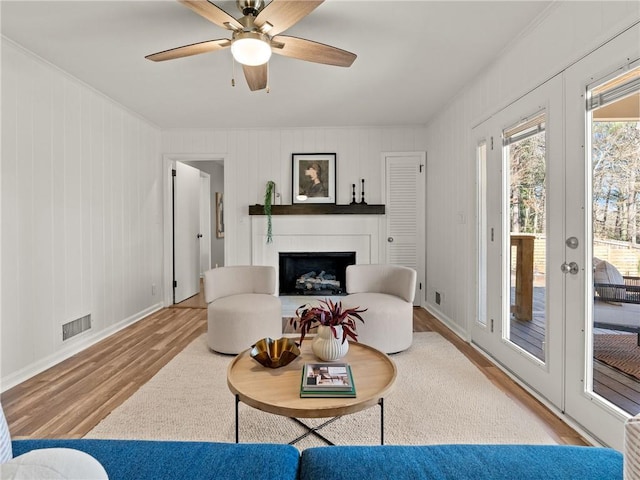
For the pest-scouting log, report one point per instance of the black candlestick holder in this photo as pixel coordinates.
(353, 193)
(362, 202)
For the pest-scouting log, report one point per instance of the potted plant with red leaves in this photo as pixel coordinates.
(335, 324)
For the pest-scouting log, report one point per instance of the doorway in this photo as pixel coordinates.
(182, 255)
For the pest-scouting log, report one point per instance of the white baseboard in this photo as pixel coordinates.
(83, 342)
(448, 322)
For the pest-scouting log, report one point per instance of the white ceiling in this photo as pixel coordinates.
(413, 57)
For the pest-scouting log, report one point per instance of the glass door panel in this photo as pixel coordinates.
(524, 152)
(614, 120)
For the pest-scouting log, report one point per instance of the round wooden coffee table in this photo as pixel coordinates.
(277, 390)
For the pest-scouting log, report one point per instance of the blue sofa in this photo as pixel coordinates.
(158, 460)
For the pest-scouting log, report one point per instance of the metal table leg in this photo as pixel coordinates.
(314, 430)
(237, 429)
(381, 403)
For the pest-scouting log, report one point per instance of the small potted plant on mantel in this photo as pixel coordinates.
(335, 325)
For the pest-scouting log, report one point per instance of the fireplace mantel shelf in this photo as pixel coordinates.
(319, 209)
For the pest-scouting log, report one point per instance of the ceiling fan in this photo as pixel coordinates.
(257, 34)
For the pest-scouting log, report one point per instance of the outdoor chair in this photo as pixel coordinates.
(616, 299)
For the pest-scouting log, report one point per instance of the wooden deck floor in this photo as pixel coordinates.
(613, 385)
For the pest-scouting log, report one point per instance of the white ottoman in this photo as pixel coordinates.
(51, 464)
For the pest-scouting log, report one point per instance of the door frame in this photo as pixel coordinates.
(168, 164)
(205, 222)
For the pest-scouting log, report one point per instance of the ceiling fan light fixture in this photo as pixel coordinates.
(251, 49)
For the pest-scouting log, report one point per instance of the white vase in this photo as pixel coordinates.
(327, 347)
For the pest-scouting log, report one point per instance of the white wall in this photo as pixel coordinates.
(255, 156)
(567, 32)
(81, 214)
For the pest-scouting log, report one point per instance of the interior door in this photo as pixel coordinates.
(186, 232)
(521, 201)
(405, 206)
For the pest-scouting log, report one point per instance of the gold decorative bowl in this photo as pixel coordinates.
(275, 353)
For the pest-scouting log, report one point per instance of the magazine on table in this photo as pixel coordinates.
(327, 379)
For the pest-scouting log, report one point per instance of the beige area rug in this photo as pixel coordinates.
(620, 351)
(439, 397)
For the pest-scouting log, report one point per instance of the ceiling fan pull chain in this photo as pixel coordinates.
(268, 88)
(233, 72)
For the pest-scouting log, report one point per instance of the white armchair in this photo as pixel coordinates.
(387, 292)
(242, 307)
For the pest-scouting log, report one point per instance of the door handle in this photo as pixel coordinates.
(199, 235)
(571, 268)
(390, 239)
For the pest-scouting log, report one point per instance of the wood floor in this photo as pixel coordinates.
(69, 399)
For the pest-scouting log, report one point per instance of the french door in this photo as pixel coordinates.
(599, 90)
(538, 206)
(521, 213)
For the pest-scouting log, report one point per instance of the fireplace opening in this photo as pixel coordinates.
(314, 273)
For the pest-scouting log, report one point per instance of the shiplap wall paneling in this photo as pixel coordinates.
(42, 215)
(449, 187)
(255, 156)
(97, 201)
(9, 269)
(76, 169)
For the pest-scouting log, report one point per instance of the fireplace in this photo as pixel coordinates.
(314, 273)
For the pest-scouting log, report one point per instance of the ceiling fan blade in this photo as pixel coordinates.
(188, 50)
(282, 14)
(212, 13)
(311, 51)
(256, 76)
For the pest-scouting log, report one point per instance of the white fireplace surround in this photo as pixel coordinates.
(316, 233)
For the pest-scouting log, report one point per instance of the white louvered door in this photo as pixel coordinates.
(405, 213)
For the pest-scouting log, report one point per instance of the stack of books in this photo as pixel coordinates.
(323, 380)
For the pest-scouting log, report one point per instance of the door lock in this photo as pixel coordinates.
(571, 268)
(572, 242)
(390, 239)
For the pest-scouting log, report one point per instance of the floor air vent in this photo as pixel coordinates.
(75, 327)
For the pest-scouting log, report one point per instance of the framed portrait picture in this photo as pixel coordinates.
(314, 178)
(219, 215)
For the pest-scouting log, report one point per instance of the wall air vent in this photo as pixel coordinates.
(74, 327)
